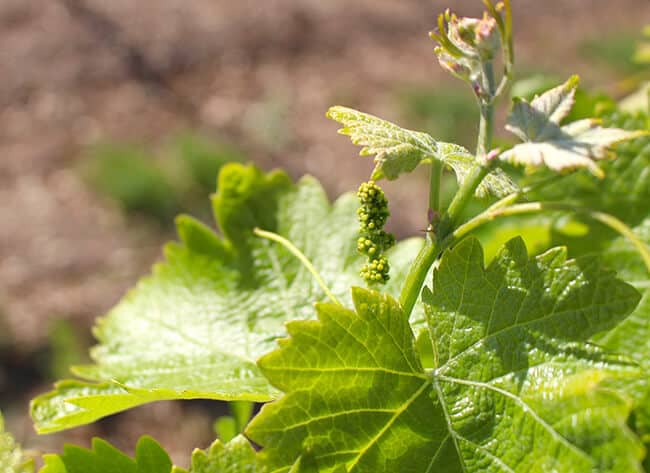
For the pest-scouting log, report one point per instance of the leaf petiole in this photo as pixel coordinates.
(508, 200)
(495, 212)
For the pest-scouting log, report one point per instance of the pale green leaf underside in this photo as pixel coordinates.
(577, 145)
(12, 459)
(194, 328)
(560, 148)
(625, 190)
(632, 336)
(515, 388)
(537, 120)
(398, 150)
(237, 456)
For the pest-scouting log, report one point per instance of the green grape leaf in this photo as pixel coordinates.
(194, 328)
(625, 190)
(150, 457)
(515, 388)
(237, 456)
(512, 338)
(74, 403)
(538, 119)
(12, 459)
(399, 151)
(560, 148)
(357, 394)
(632, 336)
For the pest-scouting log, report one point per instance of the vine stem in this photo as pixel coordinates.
(482, 167)
(427, 255)
(434, 247)
(434, 185)
(416, 276)
(298, 254)
(444, 237)
(535, 207)
(486, 125)
(435, 244)
(462, 197)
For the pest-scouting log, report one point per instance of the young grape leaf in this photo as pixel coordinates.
(12, 459)
(237, 456)
(632, 336)
(194, 328)
(561, 148)
(625, 190)
(515, 388)
(399, 150)
(537, 119)
(150, 457)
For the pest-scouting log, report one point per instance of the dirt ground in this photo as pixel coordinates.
(76, 72)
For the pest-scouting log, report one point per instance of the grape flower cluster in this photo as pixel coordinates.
(373, 240)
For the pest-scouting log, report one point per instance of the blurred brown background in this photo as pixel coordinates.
(252, 80)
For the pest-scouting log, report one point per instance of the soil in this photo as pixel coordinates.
(78, 72)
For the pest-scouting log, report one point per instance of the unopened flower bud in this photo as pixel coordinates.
(475, 37)
(462, 68)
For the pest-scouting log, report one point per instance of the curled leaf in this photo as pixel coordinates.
(560, 148)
